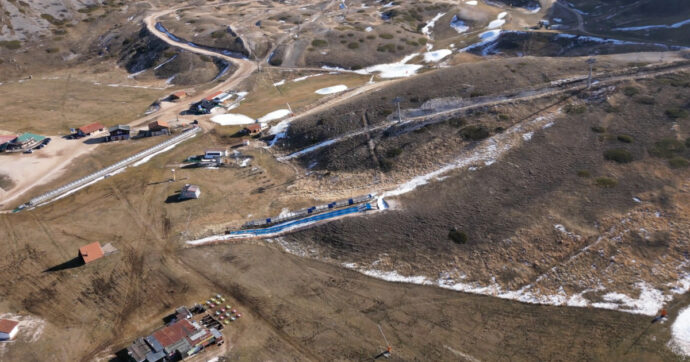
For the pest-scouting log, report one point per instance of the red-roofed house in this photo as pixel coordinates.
(213, 96)
(90, 128)
(178, 95)
(254, 128)
(91, 252)
(8, 329)
(157, 128)
(6, 139)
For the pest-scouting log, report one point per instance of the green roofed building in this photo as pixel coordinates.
(24, 141)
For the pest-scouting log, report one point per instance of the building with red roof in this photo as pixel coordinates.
(90, 128)
(213, 96)
(91, 252)
(8, 329)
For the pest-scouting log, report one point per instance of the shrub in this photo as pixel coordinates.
(583, 173)
(11, 44)
(386, 48)
(575, 109)
(218, 34)
(625, 138)
(645, 100)
(386, 165)
(474, 132)
(51, 19)
(276, 61)
(667, 148)
(319, 43)
(393, 152)
(456, 122)
(605, 182)
(52, 50)
(503, 117)
(687, 142)
(618, 155)
(422, 41)
(678, 162)
(386, 36)
(676, 113)
(630, 91)
(598, 129)
(371, 37)
(353, 45)
(458, 237)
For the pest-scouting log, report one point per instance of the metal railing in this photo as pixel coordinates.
(115, 167)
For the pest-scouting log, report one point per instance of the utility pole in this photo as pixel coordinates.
(397, 101)
(591, 62)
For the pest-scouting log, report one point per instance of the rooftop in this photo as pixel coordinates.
(123, 127)
(190, 188)
(173, 333)
(7, 138)
(25, 137)
(7, 325)
(91, 252)
(90, 128)
(254, 127)
(158, 124)
(212, 96)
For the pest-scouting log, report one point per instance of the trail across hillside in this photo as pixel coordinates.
(528, 94)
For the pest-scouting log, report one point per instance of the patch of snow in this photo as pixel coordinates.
(527, 136)
(500, 20)
(368, 29)
(648, 27)
(459, 25)
(308, 150)
(149, 157)
(338, 69)
(394, 70)
(471, 2)
(281, 113)
(680, 333)
(307, 77)
(232, 119)
(437, 55)
(426, 30)
(277, 84)
(332, 90)
(635, 199)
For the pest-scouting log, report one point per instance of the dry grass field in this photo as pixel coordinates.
(53, 106)
(595, 201)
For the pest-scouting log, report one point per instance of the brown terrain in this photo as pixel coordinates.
(543, 201)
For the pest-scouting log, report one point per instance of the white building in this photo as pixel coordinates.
(190, 192)
(8, 329)
(214, 153)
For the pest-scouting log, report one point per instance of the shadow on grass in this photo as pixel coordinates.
(70, 264)
(174, 199)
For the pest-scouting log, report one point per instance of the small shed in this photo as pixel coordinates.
(8, 329)
(213, 153)
(179, 95)
(190, 192)
(253, 129)
(157, 128)
(90, 129)
(119, 132)
(91, 252)
(213, 96)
